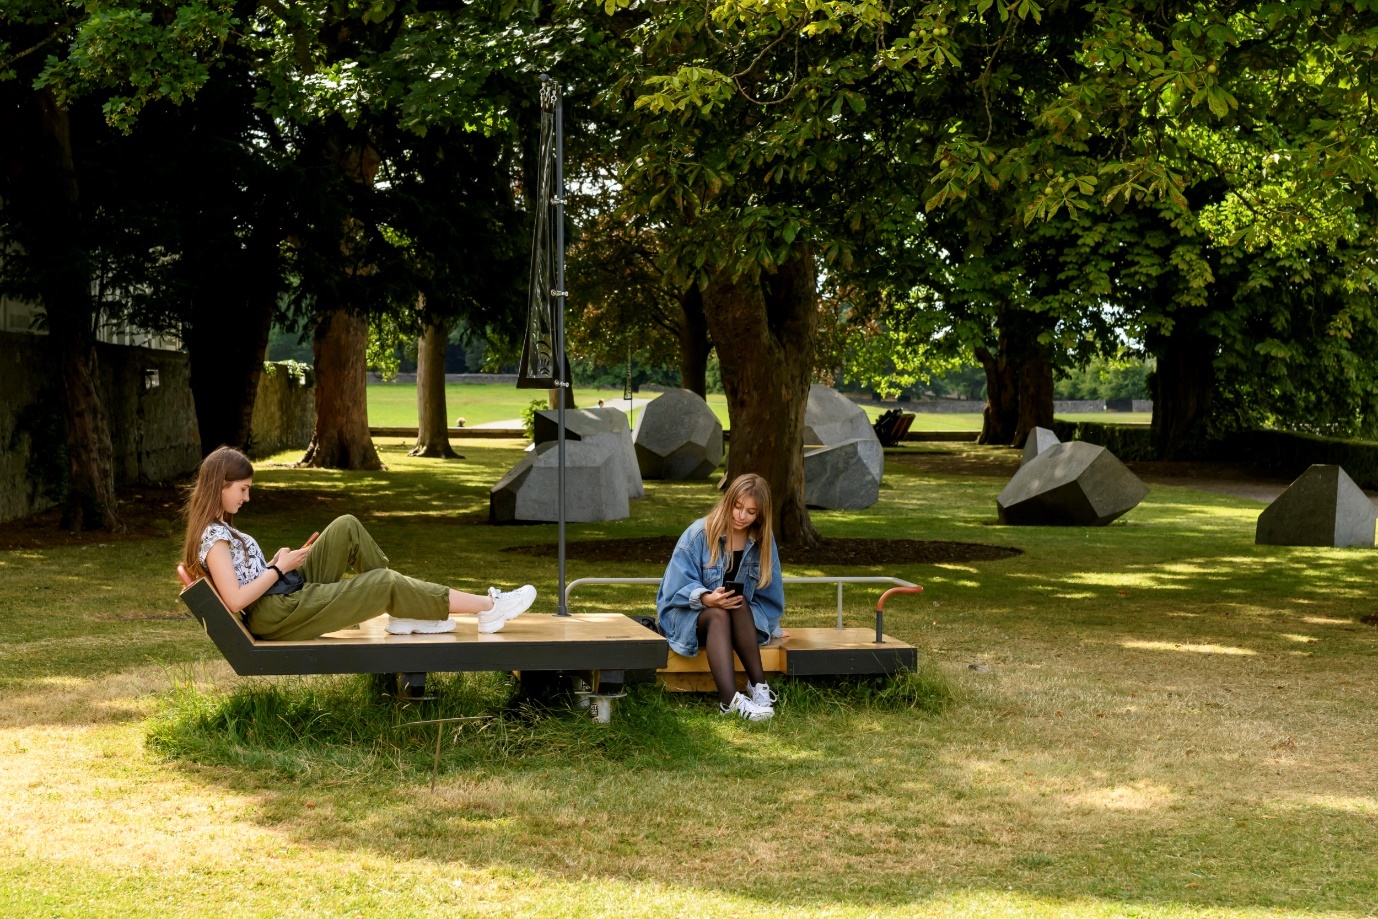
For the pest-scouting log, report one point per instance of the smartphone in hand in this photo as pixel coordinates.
(736, 588)
(308, 543)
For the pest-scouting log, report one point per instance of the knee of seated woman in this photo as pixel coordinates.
(712, 615)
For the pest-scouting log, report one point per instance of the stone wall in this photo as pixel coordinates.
(284, 410)
(152, 427)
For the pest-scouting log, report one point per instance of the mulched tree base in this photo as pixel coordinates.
(837, 551)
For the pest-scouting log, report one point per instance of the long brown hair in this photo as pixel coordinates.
(719, 522)
(223, 466)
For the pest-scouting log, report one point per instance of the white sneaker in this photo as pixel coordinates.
(506, 605)
(395, 626)
(751, 711)
(762, 694)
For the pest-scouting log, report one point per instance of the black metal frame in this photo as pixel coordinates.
(405, 654)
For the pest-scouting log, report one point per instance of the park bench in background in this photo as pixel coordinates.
(893, 426)
(810, 652)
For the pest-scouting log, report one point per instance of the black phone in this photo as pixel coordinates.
(735, 587)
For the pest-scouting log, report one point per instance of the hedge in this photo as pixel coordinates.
(1282, 453)
(1127, 441)
(1288, 454)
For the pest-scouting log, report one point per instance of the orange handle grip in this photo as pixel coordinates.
(880, 608)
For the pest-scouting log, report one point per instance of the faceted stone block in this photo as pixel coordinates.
(1323, 507)
(678, 437)
(1071, 484)
(595, 484)
(843, 476)
(581, 423)
(832, 418)
(1039, 440)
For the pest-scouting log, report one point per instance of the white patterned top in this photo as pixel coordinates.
(248, 558)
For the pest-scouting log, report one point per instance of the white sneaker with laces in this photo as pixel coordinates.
(506, 605)
(396, 626)
(741, 705)
(762, 694)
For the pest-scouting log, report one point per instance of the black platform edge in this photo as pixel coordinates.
(832, 661)
(249, 658)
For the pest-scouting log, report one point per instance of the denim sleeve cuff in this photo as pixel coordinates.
(696, 597)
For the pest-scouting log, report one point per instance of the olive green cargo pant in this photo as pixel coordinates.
(329, 601)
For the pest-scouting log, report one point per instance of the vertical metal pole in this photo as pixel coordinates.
(839, 604)
(562, 371)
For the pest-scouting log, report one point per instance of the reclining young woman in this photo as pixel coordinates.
(732, 544)
(302, 593)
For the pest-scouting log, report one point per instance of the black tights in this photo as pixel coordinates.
(722, 631)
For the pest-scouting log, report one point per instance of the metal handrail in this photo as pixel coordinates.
(839, 580)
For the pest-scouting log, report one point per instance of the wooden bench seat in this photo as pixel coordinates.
(806, 652)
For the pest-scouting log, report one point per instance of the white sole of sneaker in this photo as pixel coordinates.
(419, 626)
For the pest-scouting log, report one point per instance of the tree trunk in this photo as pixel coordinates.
(1035, 391)
(65, 289)
(341, 439)
(693, 342)
(767, 335)
(1000, 420)
(226, 342)
(1182, 385)
(91, 502)
(432, 425)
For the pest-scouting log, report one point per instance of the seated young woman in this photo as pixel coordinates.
(732, 544)
(303, 593)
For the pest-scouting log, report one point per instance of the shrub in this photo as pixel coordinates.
(1128, 442)
(1288, 453)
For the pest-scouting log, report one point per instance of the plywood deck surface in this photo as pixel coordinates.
(527, 628)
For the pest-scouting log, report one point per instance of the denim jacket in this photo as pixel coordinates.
(689, 576)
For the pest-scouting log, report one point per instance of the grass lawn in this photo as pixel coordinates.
(394, 405)
(1169, 721)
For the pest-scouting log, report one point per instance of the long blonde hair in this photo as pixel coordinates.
(223, 466)
(719, 521)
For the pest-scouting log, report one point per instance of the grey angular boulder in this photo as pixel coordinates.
(1323, 507)
(595, 484)
(678, 437)
(843, 477)
(1039, 439)
(581, 423)
(832, 418)
(1071, 484)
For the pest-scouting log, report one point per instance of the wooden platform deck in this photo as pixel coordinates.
(532, 642)
(806, 652)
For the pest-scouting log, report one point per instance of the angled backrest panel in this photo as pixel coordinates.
(224, 628)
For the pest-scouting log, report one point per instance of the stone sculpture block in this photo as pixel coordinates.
(843, 476)
(581, 423)
(831, 418)
(1323, 507)
(1071, 484)
(1039, 440)
(678, 437)
(595, 484)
